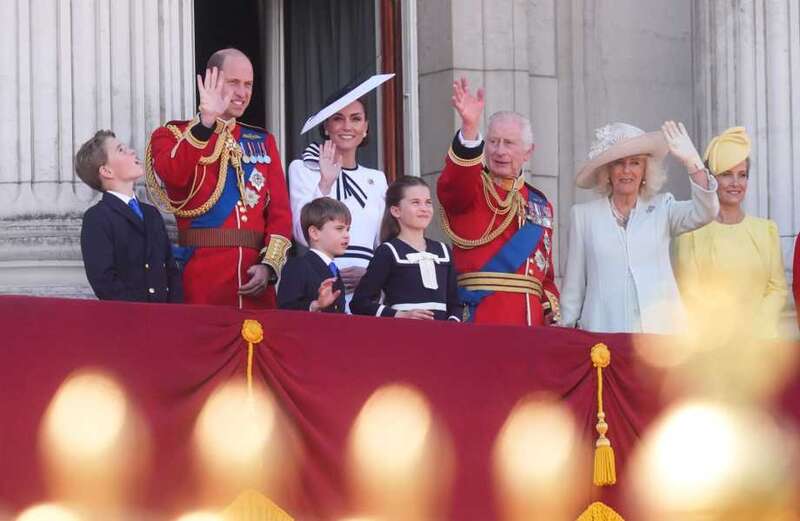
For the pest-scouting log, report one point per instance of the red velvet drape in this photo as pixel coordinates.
(321, 368)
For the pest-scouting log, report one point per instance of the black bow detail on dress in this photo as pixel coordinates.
(351, 189)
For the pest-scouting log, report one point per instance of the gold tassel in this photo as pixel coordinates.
(605, 472)
(253, 333)
(598, 511)
(253, 506)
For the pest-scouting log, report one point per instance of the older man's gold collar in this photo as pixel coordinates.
(511, 206)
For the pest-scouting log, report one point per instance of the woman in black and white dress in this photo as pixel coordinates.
(332, 170)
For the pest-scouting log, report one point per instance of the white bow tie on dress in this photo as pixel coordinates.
(427, 267)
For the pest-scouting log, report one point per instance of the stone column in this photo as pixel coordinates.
(505, 46)
(619, 60)
(71, 68)
(747, 72)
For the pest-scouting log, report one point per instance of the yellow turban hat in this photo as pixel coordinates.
(727, 150)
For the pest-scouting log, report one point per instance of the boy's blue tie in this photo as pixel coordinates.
(334, 269)
(134, 204)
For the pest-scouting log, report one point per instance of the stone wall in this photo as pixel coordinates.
(121, 64)
(747, 72)
(570, 66)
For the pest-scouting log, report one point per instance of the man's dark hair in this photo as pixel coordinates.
(91, 156)
(321, 210)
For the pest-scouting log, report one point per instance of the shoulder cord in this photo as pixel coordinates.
(513, 201)
(225, 150)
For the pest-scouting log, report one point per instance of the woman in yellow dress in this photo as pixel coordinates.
(734, 264)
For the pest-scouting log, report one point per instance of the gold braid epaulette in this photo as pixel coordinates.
(224, 149)
(513, 206)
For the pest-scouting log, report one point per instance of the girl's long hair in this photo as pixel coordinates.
(390, 228)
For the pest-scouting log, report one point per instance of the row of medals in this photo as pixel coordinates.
(252, 153)
(255, 153)
(541, 215)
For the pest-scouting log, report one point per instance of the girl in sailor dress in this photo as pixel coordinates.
(410, 276)
(333, 171)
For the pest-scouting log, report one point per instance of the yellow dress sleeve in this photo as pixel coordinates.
(774, 298)
(687, 270)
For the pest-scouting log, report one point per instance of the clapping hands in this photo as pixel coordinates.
(326, 295)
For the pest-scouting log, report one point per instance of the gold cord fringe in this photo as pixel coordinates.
(253, 333)
(605, 472)
(598, 511)
(226, 150)
(512, 206)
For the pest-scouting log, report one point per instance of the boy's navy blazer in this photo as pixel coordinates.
(127, 258)
(300, 280)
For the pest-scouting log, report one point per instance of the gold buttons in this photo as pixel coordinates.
(244, 218)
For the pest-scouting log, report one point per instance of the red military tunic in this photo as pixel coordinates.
(471, 213)
(228, 239)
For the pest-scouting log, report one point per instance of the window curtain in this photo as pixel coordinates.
(329, 45)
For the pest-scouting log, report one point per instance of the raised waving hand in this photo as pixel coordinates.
(469, 106)
(213, 100)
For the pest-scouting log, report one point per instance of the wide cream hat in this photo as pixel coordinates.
(615, 141)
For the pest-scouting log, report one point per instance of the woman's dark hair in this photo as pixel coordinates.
(390, 228)
(333, 97)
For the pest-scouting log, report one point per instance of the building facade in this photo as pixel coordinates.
(571, 66)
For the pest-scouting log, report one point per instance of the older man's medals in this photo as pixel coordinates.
(538, 213)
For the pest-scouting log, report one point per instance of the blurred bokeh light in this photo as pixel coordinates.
(535, 461)
(399, 461)
(713, 461)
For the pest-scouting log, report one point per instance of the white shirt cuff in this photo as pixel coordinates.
(470, 143)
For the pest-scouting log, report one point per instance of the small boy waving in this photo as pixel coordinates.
(312, 282)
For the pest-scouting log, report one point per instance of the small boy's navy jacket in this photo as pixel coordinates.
(127, 258)
(300, 280)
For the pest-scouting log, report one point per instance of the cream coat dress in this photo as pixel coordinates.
(620, 279)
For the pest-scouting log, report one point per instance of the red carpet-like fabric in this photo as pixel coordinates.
(321, 369)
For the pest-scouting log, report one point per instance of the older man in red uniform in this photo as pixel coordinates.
(224, 182)
(501, 227)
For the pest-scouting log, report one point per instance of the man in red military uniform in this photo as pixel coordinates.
(224, 183)
(501, 227)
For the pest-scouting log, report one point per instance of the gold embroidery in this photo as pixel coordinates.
(275, 252)
(512, 206)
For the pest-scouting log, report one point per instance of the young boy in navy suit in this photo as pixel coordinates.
(312, 282)
(126, 251)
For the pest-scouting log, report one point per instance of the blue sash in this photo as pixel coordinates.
(511, 256)
(218, 213)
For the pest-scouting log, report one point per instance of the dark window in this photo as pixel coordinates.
(329, 45)
(233, 24)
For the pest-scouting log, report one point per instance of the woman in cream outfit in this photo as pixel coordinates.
(619, 276)
(733, 267)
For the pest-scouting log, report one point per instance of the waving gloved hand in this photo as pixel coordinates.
(681, 146)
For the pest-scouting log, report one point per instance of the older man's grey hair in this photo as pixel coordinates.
(218, 58)
(523, 122)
